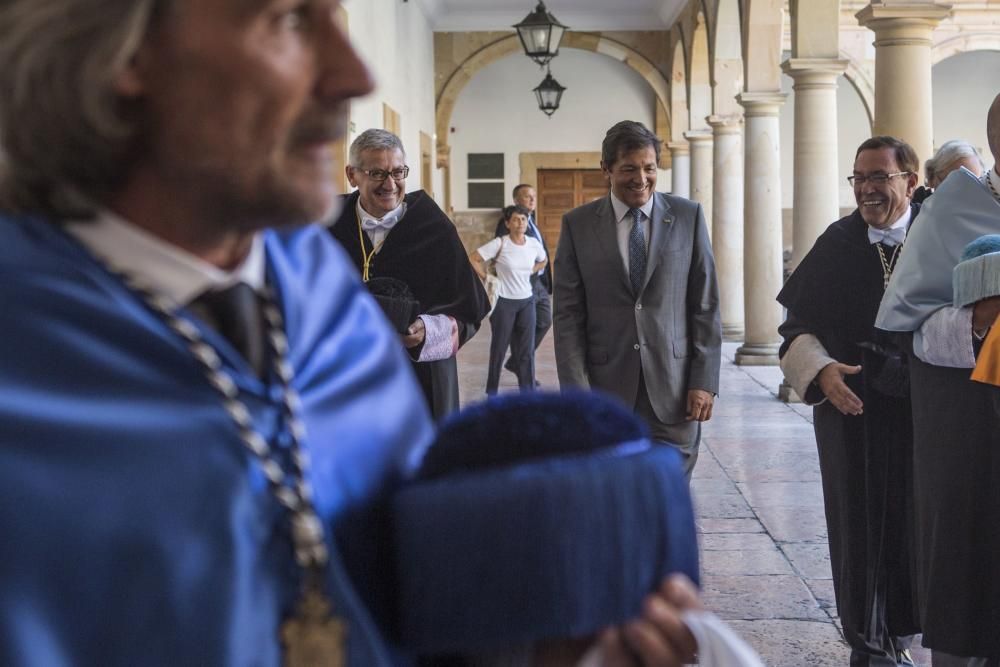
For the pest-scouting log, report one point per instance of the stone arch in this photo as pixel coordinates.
(573, 40)
(863, 85)
(727, 59)
(678, 91)
(964, 42)
(699, 76)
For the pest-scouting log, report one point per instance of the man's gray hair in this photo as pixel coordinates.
(374, 140)
(950, 153)
(66, 136)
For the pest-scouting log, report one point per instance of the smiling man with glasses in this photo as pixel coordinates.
(407, 237)
(857, 382)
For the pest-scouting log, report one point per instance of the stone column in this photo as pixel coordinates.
(727, 220)
(762, 275)
(680, 157)
(701, 171)
(903, 69)
(815, 199)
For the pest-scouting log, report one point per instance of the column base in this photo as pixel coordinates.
(787, 394)
(757, 355)
(732, 333)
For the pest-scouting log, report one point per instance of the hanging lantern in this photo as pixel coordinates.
(540, 35)
(549, 93)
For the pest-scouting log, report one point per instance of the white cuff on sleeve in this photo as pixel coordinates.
(803, 361)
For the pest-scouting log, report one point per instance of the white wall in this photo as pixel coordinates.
(396, 41)
(497, 112)
(964, 87)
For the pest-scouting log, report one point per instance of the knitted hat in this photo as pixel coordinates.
(977, 275)
(538, 516)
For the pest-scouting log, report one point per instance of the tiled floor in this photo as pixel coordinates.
(759, 506)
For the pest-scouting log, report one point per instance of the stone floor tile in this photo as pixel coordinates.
(784, 643)
(760, 597)
(793, 524)
(811, 561)
(709, 526)
(709, 485)
(721, 506)
(822, 590)
(782, 494)
(736, 541)
(750, 562)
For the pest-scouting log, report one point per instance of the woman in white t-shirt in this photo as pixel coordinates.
(518, 257)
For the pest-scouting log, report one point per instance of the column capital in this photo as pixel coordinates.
(810, 73)
(902, 24)
(698, 136)
(761, 103)
(728, 124)
(679, 148)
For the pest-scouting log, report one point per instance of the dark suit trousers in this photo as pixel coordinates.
(543, 309)
(684, 437)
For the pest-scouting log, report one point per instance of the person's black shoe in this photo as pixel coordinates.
(509, 365)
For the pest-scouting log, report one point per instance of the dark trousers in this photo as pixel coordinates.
(543, 316)
(543, 310)
(684, 437)
(513, 324)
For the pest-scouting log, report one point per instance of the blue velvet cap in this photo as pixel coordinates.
(538, 516)
(977, 275)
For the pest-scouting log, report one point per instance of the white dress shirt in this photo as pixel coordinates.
(623, 226)
(162, 267)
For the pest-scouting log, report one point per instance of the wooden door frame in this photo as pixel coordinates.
(532, 162)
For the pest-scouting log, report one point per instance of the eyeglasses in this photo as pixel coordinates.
(379, 175)
(875, 179)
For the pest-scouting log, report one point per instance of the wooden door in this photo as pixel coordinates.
(560, 190)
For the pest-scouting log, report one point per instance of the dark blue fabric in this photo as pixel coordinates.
(550, 549)
(513, 428)
(136, 528)
(499, 547)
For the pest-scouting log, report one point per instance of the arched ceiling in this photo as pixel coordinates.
(577, 14)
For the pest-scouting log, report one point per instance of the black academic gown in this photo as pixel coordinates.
(865, 460)
(424, 251)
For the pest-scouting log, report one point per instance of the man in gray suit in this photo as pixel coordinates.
(640, 319)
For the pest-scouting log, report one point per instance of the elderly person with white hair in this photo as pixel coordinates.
(949, 157)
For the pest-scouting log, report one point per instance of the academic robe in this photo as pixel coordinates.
(424, 251)
(137, 528)
(865, 460)
(956, 447)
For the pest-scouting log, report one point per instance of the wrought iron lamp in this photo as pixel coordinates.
(540, 34)
(549, 93)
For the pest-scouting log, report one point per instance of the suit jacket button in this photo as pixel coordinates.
(638, 306)
(636, 346)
